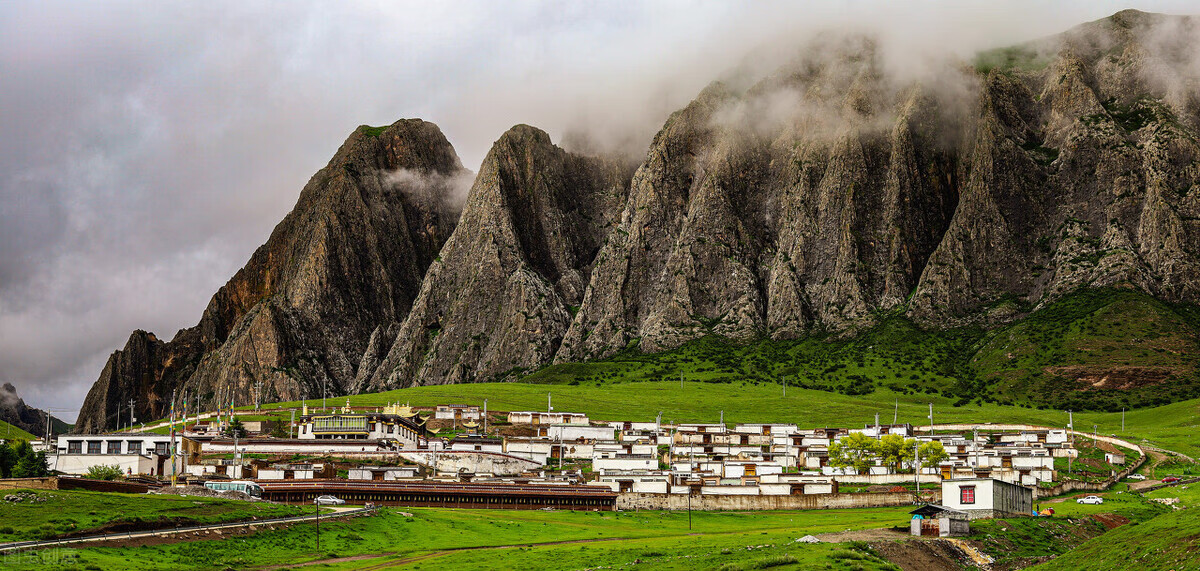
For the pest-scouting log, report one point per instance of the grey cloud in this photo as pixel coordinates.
(146, 148)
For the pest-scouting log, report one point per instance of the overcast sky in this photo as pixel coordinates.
(146, 149)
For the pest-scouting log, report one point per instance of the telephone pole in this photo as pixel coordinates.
(132, 415)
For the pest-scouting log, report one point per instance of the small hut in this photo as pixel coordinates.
(939, 521)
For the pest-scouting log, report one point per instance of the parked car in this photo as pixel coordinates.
(1094, 500)
(1136, 477)
(328, 501)
(1170, 480)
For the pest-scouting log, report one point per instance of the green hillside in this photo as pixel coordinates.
(1172, 426)
(1169, 541)
(10, 432)
(1104, 349)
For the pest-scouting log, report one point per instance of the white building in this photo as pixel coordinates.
(530, 417)
(132, 452)
(987, 497)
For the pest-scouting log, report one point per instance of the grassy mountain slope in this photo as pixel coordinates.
(10, 432)
(1097, 349)
(1172, 426)
(1169, 541)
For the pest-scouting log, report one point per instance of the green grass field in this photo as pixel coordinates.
(1172, 426)
(77, 512)
(662, 540)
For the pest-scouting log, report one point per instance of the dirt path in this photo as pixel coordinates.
(880, 534)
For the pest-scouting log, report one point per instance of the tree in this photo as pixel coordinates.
(856, 450)
(31, 465)
(893, 449)
(8, 461)
(99, 472)
(236, 428)
(932, 454)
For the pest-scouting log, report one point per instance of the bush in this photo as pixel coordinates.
(100, 472)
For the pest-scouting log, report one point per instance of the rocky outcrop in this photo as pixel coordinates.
(345, 265)
(14, 411)
(501, 295)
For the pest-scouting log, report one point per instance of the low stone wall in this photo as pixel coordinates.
(1076, 486)
(1161, 486)
(57, 483)
(935, 479)
(465, 460)
(713, 502)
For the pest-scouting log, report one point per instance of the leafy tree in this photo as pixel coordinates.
(236, 428)
(932, 454)
(31, 464)
(894, 449)
(105, 472)
(856, 450)
(8, 461)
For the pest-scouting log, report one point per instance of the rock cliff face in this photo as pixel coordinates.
(14, 411)
(341, 270)
(501, 295)
(831, 192)
(822, 197)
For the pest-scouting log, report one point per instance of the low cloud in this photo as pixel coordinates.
(449, 189)
(147, 148)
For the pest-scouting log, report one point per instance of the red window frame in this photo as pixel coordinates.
(966, 495)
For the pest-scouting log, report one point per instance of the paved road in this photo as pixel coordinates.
(339, 512)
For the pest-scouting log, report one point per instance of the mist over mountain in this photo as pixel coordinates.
(813, 197)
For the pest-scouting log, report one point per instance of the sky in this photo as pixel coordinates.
(147, 148)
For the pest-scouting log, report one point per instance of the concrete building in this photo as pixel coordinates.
(345, 424)
(529, 417)
(384, 473)
(457, 412)
(132, 452)
(987, 497)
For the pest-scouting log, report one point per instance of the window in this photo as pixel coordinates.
(161, 448)
(135, 447)
(93, 447)
(114, 447)
(967, 494)
(75, 447)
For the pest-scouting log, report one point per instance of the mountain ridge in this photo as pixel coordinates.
(819, 199)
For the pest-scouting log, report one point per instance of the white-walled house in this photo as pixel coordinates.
(133, 452)
(987, 497)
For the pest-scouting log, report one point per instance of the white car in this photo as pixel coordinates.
(328, 501)
(1136, 477)
(1094, 500)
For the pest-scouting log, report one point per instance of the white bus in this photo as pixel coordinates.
(246, 487)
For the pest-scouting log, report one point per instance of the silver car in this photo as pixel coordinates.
(328, 501)
(1094, 500)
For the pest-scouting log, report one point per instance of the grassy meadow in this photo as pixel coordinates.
(491, 539)
(71, 512)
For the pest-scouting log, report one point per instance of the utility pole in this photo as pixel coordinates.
(722, 421)
(931, 419)
(257, 393)
(1122, 420)
(896, 414)
(783, 381)
(292, 424)
(917, 467)
(173, 439)
(548, 406)
(681, 380)
(485, 417)
(132, 415)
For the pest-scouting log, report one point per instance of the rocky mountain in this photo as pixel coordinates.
(339, 272)
(14, 411)
(818, 199)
